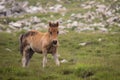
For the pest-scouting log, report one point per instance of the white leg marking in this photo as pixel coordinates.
(44, 60)
(56, 59)
(24, 62)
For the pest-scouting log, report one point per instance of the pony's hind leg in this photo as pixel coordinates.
(27, 54)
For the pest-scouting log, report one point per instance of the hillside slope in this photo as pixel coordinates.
(83, 56)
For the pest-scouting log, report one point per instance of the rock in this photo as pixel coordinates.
(114, 19)
(78, 16)
(101, 6)
(73, 15)
(97, 25)
(9, 30)
(35, 20)
(7, 49)
(57, 8)
(62, 27)
(15, 24)
(2, 10)
(64, 61)
(103, 29)
(35, 9)
(13, 9)
(25, 4)
(2, 7)
(58, 0)
(79, 29)
(99, 39)
(69, 21)
(75, 23)
(40, 26)
(83, 44)
(87, 7)
(17, 8)
(63, 31)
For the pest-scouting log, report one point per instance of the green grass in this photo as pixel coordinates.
(95, 61)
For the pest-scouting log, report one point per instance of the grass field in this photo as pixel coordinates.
(98, 60)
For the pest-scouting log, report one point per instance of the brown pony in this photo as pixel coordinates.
(34, 41)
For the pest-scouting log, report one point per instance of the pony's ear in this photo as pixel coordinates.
(50, 24)
(57, 24)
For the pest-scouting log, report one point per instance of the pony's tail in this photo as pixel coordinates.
(21, 43)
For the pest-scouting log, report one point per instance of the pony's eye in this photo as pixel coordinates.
(51, 33)
(57, 32)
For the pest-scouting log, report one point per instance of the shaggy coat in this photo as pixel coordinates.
(35, 41)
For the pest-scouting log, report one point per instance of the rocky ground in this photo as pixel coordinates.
(84, 16)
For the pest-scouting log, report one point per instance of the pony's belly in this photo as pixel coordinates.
(36, 49)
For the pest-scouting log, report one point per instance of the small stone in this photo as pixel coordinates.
(7, 49)
(83, 44)
(64, 61)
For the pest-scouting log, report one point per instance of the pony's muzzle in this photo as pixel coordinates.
(54, 42)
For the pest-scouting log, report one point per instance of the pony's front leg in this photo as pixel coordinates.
(55, 55)
(44, 58)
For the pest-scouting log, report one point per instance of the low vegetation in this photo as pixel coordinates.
(99, 59)
(84, 56)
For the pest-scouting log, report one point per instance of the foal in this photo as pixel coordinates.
(34, 41)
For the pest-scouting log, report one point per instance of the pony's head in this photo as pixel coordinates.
(53, 31)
